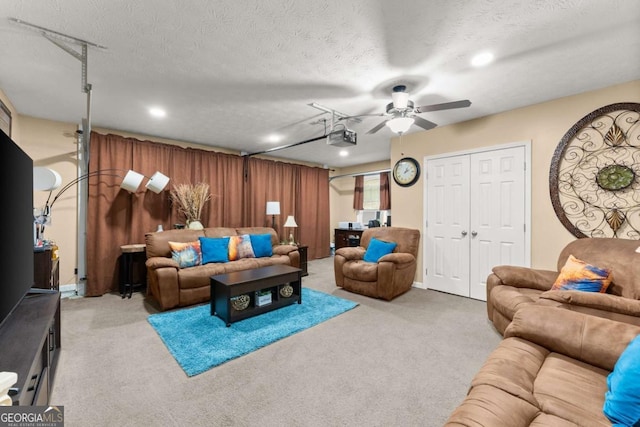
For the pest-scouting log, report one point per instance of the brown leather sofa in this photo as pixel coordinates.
(391, 276)
(550, 370)
(510, 288)
(173, 286)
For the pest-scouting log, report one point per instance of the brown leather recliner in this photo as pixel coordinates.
(391, 276)
(509, 288)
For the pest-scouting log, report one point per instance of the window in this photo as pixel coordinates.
(371, 193)
(371, 201)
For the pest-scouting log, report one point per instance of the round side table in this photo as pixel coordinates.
(129, 253)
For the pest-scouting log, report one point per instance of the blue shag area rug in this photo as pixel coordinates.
(200, 341)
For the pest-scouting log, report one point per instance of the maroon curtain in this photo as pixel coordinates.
(385, 194)
(116, 217)
(358, 193)
(269, 180)
(312, 211)
(302, 191)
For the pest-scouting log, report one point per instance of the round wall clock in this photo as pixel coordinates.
(594, 179)
(406, 171)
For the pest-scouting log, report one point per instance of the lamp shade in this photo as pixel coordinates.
(273, 208)
(132, 181)
(291, 222)
(45, 179)
(400, 124)
(157, 182)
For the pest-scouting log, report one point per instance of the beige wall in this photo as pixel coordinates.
(53, 145)
(15, 120)
(341, 192)
(543, 124)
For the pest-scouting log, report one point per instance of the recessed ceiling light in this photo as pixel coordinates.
(157, 112)
(344, 153)
(274, 137)
(482, 59)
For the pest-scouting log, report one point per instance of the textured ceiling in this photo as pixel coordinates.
(230, 73)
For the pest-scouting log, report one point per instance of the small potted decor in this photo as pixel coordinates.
(190, 200)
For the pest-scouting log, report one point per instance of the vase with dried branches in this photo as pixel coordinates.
(190, 200)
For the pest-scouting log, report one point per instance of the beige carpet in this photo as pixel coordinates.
(408, 362)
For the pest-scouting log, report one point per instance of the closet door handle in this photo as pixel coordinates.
(464, 233)
(474, 233)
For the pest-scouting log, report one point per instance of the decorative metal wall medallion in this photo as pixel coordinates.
(595, 174)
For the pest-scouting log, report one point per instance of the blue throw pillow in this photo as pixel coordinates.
(261, 244)
(377, 249)
(214, 249)
(622, 401)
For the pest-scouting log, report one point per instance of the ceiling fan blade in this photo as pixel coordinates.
(446, 106)
(377, 128)
(423, 123)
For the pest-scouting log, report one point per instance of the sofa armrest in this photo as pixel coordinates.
(595, 300)
(397, 258)
(156, 262)
(524, 277)
(351, 253)
(591, 339)
(162, 277)
(284, 249)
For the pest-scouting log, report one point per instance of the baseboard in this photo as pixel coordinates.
(72, 290)
(419, 285)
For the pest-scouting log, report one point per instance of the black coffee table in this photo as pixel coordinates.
(283, 282)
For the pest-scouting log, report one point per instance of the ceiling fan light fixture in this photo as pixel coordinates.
(400, 125)
(400, 100)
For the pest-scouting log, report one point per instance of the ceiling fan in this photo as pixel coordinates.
(404, 114)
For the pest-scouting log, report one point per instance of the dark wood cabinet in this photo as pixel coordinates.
(29, 347)
(46, 271)
(46, 275)
(344, 237)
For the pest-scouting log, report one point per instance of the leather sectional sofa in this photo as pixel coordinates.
(510, 288)
(550, 370)
(173, 286)
(560, 345)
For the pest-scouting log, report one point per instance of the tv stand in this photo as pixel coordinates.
(28, 347)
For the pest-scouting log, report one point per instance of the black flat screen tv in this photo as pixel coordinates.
(16, 267)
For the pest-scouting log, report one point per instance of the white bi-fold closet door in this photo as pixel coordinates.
(476, 218)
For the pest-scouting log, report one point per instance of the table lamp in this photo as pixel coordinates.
(291, 223)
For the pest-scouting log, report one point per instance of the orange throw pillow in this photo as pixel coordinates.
(577, 275)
